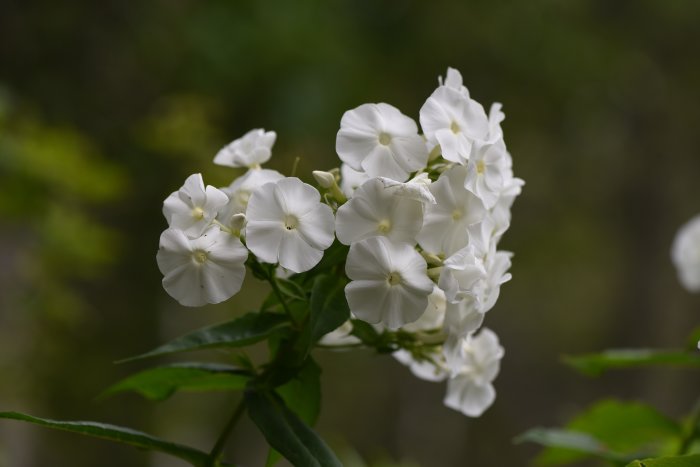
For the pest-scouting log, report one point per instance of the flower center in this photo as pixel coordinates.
(457, 214)
(384, 226)
(393, 278)
(455, 127)
(198, 213)
(384, 138)
(290, 222)
(480, 167)
(199, 256)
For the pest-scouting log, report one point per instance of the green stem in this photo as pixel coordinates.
(280, 296)
(218, 448)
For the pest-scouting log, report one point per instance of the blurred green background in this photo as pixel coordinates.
(106, 107)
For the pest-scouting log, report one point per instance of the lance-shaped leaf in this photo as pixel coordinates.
(117, 434)
(160, 383)
(329, 308)
(571, 440)
(248, 329)
(286, 433)
(303, 393)
(597, 363)
(692, 460)
(632, 429)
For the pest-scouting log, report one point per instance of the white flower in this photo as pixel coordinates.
(445, 223)
(193, 207)
(287, 223)
(463, 317)
(389, 282)
(251, 150)
(351, 179)
(685, 254)
(207, 269)
(375, 211)
(380, 141)
(240, 190)
(474, 366)
(487, 172)
(460, 274)
(452, 120)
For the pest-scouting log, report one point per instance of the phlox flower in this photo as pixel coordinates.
(452, 120)
(207, 269)
(474, 365)
(487, 172)
(240, 189)
(376, 211)
(463, 317)
(251, 150)
(685, 254)
(389, 282)
(287, 223)
(445, 223)
(461, 273)
(193, 207)
(380, 141)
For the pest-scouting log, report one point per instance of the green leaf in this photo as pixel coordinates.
(286, 433)
(303, 393)
(571, 440)
(669, 461)
(329, 308)
(597, 363)
(248, 329)
(160, 383)
(631, 429)
(291, 289)
(117, 434)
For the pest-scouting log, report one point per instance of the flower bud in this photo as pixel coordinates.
(325, 179)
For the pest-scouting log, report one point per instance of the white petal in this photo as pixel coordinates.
(366, 299)
(296, 197)
(467, 397)
(263, 238)
(263, 205)
(297, 255)
(316, 227)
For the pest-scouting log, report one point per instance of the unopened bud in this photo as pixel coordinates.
(324, 179)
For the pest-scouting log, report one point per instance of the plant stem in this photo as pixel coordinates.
(280, 296)
(223, 437)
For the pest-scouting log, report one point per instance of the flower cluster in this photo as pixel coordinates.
(421, 214)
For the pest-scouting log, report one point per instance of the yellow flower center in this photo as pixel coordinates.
(455, 127)
(200, 256)
(384, 226)
(457, 214)
(394, 278)
(198, 213)
(384, 138)
(480, 167)
(290, 222)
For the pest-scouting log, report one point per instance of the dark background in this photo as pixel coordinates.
(106, 106)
